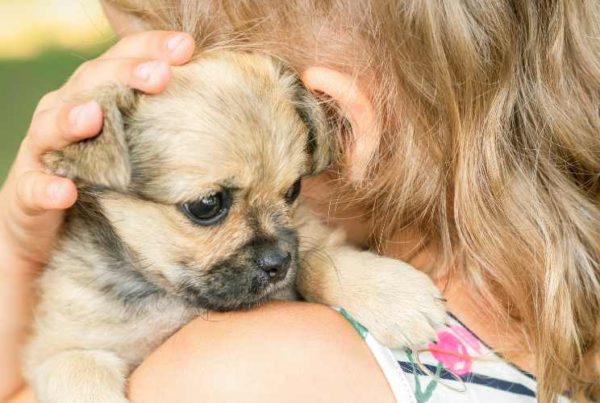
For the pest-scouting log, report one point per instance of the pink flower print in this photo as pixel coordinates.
(450, 351)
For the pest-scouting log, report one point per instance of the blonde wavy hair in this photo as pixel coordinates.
(489, 117)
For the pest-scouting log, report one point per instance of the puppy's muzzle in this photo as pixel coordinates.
(273, 262)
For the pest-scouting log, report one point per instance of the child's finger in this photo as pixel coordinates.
(61, 124)
(55, 128)
(173, 47)
(149, 76)
(38, 192)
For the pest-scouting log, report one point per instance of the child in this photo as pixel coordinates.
(472, 151)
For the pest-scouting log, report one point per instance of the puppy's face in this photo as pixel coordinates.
(210, 177)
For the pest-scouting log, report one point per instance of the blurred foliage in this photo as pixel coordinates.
(28, 27)
(22, 84)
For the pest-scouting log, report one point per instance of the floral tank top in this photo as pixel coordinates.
(458, 368)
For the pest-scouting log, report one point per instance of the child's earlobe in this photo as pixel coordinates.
(356, 107)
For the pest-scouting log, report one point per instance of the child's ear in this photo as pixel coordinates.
(357, 108)
(104, 159)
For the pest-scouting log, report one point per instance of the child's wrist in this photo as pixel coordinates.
(16, 296)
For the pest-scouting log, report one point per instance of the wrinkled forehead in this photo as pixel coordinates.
(220, 123)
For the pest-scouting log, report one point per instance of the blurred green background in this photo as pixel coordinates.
(41, 44)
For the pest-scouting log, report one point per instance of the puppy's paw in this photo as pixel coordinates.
(80, 376)
(401, 306)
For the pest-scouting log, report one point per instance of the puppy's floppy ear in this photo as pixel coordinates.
(104, 159)
(321, 142)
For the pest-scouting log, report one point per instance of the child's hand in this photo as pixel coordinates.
(31, 201)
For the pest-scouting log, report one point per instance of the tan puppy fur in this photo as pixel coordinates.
(188, 204)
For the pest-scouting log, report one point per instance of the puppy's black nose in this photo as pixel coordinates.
(274, 262)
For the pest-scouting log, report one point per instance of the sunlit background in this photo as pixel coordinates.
(41, 43)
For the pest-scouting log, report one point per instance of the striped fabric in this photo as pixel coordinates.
(458, 368)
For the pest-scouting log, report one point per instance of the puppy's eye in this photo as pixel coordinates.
(292, 194)
(209, 210)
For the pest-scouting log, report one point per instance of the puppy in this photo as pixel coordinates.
(189, 203)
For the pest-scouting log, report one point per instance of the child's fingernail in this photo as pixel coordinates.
(175, 41)
(57, 189)
(178, 44)
(80, 114)
(145, 70)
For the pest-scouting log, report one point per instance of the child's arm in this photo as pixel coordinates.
(32, 203)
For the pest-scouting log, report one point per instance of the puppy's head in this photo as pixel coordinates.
(199, 184)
